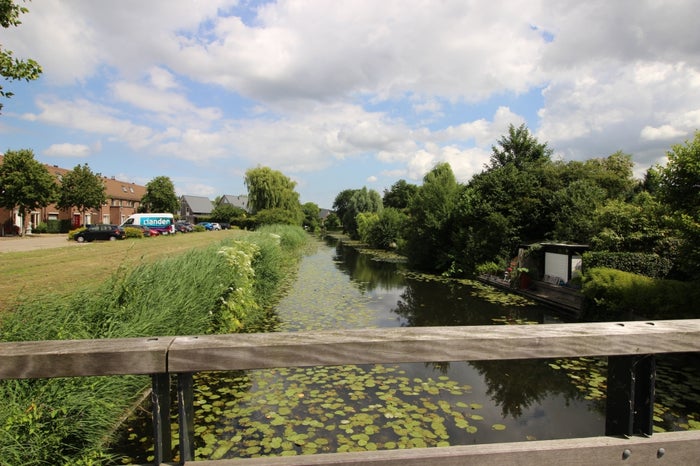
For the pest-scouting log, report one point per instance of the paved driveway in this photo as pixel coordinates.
(33, 242)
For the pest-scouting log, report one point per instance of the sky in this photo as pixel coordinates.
(346, 94)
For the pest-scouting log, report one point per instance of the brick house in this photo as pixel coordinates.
(123, 199)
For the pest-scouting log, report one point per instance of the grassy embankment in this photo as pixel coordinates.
(157, 286)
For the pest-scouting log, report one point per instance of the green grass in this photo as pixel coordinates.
(58, 421)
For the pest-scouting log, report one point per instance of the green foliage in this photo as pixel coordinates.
(160, 196)
(572, 211)
(270, 189)
(680, 190)
(353, 202)
(489, 268)
(72, 233)
(83, 189)
(25, 184)
(365, 222)
(278, 216)
(240, 300)
(429, 229)
(130, 232)
(226, 213)
(386, 231)
(518, 148)
(399, 195)
(332, 222)
(13, 68)
(616, 293)
(311, 221)
(649, 265)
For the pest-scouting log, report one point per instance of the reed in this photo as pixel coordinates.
(61, 421)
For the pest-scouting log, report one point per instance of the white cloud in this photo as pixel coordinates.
(68, 150)
(301, 86)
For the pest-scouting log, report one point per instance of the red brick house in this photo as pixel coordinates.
(123, 199)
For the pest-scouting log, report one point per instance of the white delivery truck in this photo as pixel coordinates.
(163, 223)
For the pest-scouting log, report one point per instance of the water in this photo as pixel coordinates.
(350, 408)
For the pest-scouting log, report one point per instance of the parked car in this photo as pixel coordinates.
(215, 226)
(147, 232)
(207, 226)
(225, 226)
(100, 232)
(183, 226)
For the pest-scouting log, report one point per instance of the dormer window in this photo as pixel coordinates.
(124, 188)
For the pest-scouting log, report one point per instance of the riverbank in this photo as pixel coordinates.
(67, 421)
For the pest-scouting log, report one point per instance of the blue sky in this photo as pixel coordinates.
(340, 95)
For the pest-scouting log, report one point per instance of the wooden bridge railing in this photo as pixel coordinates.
(630, 347)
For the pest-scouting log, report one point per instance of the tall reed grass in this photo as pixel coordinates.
(67, 420)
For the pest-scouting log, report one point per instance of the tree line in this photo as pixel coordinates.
(523, 196)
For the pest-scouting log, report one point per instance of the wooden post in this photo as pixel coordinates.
(630, 396)
(160, 398)
(185, 399)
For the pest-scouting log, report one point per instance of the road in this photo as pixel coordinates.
(34, 242)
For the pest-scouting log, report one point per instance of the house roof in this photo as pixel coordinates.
(114, 189)
(198, 204)
(240, 201)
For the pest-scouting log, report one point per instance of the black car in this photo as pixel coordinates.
(103, 232)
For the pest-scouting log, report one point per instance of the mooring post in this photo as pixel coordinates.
(630, 397)
(185, 399)
(160, 400)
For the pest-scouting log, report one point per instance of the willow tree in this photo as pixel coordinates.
(270, 189)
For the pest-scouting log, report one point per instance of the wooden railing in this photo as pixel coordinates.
(630, 347)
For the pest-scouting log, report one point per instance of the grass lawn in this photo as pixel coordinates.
(59, 270)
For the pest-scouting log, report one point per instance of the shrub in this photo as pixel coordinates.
(650, 265)
(615, 293)
(489, 268)
(130, 232)
(72, 233)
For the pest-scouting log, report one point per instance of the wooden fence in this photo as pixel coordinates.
(630, 347)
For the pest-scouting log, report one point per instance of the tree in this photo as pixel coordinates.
(311, 221)
(226, 212)
(13, 68)
(431, 213)
(399, 195)
(271, 189)
(518, 147)
(160, 196)
(83, 189)
(361, 200)
(680, 178)
(386, 232)
(342, 203)
(25, 184)
(679, 189)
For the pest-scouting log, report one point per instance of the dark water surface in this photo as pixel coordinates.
(353, 408)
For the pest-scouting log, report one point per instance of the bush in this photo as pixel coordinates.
(650, 265)
(489, 268)
(72, 233)
(130, 232)
(614, 293)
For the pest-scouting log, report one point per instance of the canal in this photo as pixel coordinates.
(353, 408)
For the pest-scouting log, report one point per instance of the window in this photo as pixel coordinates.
(124, 188)
(105, 218)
